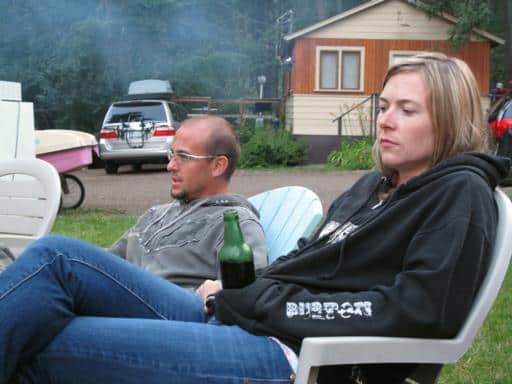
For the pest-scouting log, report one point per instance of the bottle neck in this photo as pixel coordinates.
(232, 232)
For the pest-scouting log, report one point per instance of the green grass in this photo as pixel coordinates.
(487, 361)
(96, 226)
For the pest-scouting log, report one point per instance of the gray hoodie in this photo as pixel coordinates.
(179, 241)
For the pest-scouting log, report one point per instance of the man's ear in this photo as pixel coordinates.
(219, 165)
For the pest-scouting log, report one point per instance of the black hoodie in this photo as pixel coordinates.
(407, 267)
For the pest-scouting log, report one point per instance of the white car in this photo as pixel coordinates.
(138, 131)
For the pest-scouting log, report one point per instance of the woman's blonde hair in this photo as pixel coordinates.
(453, 104)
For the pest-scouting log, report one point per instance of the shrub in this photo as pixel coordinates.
(272, 147)
(244, 133)
(352, 155)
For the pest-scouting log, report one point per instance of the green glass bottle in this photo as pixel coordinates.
(235, 256)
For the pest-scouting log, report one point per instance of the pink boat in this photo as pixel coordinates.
(67, 151)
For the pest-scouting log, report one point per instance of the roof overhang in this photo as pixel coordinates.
(449, 18)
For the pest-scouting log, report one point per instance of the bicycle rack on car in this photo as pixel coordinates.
(130, 135)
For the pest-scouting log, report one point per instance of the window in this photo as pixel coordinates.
(329, 70)
(351, 65)
(339, 69)
(396, 57)
(136, 111)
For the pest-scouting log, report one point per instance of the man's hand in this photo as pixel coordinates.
(207, 292)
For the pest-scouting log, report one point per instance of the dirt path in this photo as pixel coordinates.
(135, 192)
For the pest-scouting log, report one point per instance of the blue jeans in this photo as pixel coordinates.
(71, 312)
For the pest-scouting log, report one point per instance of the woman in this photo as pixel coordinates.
(401, 254)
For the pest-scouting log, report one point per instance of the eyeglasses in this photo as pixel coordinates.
(184, 157)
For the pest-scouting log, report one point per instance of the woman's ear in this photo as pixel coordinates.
(219, 165)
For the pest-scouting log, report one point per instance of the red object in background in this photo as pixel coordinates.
(108, 134)
(164, 130)
(501, 126)
(501, 92)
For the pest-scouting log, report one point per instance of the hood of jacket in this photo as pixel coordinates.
(490, 168)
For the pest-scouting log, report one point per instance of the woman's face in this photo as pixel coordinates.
(404, 127)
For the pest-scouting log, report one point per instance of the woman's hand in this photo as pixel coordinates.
(207, 292)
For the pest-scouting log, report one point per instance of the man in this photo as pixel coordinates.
(498, 92)
(179, 241)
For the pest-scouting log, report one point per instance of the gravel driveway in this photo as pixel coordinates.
(134, 192)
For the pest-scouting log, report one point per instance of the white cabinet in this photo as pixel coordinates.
(16, 123)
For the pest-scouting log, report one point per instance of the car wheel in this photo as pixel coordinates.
(111, 168)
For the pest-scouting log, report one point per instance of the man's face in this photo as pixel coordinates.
(190, 177)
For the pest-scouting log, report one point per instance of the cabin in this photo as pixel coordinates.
(337, 67)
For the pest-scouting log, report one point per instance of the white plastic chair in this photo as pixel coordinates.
(29, 203)
(429, 353)
(287, 214)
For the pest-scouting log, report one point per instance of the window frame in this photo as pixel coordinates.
(397, 52)
(339, 72)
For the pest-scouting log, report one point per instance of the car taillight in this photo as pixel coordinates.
(501, 126)
(108, 134)
(164, 130)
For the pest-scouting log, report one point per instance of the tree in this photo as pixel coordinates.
(492, 15)
(74, 57)
(501, 24)
(470, 14)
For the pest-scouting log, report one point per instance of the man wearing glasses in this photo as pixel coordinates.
(179, 240)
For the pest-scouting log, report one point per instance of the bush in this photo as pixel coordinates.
(245, 133)
(352, 155)
(272, 147)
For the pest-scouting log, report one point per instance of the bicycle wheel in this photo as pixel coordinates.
(73, 191)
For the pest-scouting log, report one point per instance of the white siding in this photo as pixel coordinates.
(289, 113)
(313, 115)
(486, 104)
(389, 20)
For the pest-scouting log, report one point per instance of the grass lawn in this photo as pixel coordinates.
(96, 226)
(487, 361)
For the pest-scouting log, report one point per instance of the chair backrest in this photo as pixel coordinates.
(28, 203)
(494, 278)
(287, 214)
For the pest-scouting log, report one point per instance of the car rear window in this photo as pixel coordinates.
(136, 111)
